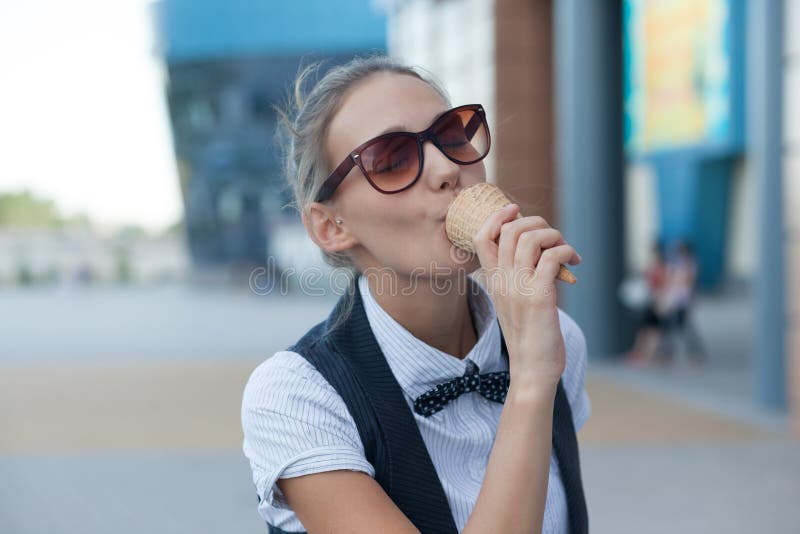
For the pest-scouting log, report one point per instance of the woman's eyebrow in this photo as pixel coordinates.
(394, 129)
(402, 128)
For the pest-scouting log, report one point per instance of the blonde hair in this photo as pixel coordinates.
(304, 124)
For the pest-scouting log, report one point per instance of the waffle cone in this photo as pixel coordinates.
(471, 208)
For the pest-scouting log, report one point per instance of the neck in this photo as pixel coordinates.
(439, 317)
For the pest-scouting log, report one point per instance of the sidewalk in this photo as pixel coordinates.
(96, 440)
(685, 450)
(653, 465)
(156, 448)
(726, 384)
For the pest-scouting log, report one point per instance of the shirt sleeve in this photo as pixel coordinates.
(574, 377)
(295, 423)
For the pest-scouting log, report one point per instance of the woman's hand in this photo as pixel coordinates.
(520, 271)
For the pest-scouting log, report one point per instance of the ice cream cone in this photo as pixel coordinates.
(471, 208)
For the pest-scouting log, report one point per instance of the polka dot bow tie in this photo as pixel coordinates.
(493, 386)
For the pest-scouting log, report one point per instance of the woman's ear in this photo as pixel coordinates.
(320, 223)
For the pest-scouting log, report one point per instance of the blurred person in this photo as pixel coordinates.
(420, 410)
(678, 297)
(652, 319)
(85, 274)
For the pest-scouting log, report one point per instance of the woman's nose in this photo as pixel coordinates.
(439, 171)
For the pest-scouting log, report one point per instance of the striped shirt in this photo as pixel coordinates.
(295, 423)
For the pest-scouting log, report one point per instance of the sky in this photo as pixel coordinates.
(83, 116)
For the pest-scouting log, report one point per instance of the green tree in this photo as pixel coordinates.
(25, 209)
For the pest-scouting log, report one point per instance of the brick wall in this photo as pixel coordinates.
(525, 108)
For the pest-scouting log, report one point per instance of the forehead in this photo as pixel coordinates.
(382, 101)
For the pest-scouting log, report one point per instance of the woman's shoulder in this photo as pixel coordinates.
(285, 373)
(294, 424)
(285, 363)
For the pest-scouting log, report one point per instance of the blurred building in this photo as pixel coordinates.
(627, 122)
(227, 65)
(84, 256)
(790, 196)
(685, 132)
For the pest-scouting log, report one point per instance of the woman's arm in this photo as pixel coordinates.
(514, 491)
(511, 499)
(344, 502)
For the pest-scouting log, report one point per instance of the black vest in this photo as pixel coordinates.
(351, 360)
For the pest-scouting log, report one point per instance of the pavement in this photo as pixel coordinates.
(109, 424)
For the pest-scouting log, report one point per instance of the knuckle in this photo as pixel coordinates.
(507, 230)
(548, 255)
(539, 221)
(527, 237)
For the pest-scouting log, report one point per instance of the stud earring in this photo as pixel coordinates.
(339, 221)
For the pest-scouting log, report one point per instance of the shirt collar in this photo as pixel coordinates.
(418, 366)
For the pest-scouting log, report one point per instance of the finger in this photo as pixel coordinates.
(509, 235)
(576, 259)
(550, 262)
(531, 243)
(485, 239)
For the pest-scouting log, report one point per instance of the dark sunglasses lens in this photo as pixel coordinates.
(391, 163)
(463, 135)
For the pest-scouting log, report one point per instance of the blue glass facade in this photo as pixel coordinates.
(684, 116)
(228, 64)
(193, 30)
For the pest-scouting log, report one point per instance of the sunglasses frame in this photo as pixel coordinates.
(354, 158)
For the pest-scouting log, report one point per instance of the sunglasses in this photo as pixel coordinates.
(393, 162)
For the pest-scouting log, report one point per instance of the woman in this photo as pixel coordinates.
(419, 407)
(681, 278)
(650, 329)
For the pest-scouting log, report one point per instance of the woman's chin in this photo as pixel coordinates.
(460, 260)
